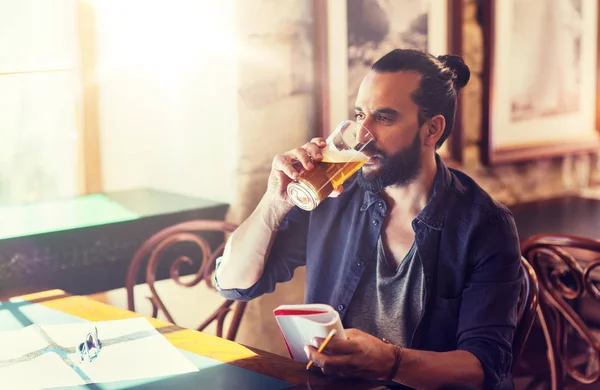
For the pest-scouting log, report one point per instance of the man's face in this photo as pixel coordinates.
(385, 107)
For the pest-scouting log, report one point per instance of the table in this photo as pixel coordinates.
(84, 244)
(199, 343)
(571, 214)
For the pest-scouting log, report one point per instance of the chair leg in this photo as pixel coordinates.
(238, 313)
(553, 364)
(154, 307)
(218, 315)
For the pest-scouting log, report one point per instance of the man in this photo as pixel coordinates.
(410, 251)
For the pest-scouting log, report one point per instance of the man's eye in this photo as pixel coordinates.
(384, 119)
(359, 115)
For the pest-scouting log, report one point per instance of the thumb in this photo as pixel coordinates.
(336, 192)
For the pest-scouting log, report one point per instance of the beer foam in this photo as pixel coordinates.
(340, 156)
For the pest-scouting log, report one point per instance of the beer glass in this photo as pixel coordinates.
(342, 157)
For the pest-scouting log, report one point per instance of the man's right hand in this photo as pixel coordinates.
(286, 167)
(248, 248)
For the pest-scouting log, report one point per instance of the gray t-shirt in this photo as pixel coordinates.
(388, 302)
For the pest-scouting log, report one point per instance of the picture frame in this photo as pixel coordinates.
(526, 116)
(343, 54)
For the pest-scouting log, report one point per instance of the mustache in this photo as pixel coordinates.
(371, 151)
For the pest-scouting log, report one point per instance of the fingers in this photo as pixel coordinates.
(305, 155)
(314, 152)
(284, 164)
(329, 364)
(314, 149)
(335, 346)
(319, 141)
(301, 154)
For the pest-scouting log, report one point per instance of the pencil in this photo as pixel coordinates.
(322, 347)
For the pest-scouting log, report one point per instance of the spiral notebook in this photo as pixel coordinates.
(300, 323)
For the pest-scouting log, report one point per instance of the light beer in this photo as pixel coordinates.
(313, 186)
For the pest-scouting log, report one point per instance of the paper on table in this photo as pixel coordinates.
(45, 356)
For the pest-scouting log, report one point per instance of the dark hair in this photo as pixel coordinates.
(441, 80)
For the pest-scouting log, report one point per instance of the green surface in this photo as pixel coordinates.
(83, 211)
(147, 202)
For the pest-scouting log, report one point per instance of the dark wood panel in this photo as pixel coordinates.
(568, 215)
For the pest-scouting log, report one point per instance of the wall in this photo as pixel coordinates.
(273, 89)
(168, 106)
(276, 113)
(39, 93)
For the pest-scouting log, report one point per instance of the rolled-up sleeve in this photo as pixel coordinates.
(288, 252)
(488, 314)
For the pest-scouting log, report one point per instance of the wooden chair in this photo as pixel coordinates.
(527, 309)
(154, 250)
(566, 267)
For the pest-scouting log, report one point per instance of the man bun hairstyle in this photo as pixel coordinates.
(461, 71)
(442, 78)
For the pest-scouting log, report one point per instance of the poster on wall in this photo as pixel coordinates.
(356, 33)
(539, 79)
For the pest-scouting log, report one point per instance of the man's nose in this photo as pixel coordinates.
(364, 134)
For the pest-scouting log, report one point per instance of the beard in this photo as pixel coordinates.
(399, 169)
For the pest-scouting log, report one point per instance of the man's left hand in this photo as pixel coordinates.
(360, 356)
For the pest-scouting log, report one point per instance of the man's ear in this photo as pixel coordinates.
(434, 130)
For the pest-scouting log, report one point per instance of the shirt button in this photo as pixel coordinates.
(340, 307)
(381, 205)
(375, 222)
(360, 263)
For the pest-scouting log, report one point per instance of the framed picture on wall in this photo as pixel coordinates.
(352, 34)
(540, 79)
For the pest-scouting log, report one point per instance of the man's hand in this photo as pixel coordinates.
(360, 356)
(289, 165)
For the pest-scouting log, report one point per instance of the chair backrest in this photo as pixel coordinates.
(527, 309)
(566, 268)
(154, 249)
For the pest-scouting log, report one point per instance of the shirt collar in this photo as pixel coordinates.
(433, 214)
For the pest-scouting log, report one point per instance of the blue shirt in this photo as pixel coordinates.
(468, 245)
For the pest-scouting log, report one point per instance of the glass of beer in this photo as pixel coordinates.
(342, 157)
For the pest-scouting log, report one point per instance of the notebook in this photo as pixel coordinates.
(300, 323)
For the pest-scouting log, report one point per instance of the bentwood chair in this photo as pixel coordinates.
(527, 309)
(161, 247)
(567, 269)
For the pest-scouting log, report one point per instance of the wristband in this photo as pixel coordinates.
(397, 359)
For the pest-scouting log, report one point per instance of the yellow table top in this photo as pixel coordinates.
(199, 343)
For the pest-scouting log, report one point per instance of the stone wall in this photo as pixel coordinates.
(276, 113)
(276, 106)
